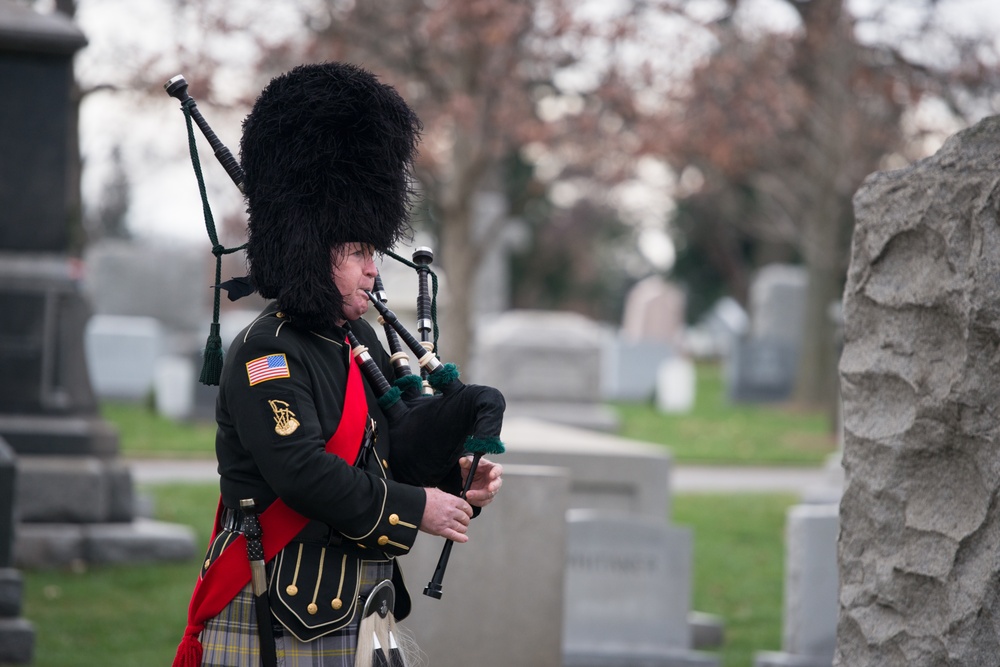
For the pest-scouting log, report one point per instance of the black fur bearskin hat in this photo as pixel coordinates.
(327, 151)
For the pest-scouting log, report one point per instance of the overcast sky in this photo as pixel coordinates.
(152, 132)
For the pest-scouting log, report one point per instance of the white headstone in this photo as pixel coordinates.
(121, 355)
(811, 580)
(675, 385)
(174, 382)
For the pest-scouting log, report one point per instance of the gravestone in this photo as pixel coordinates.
(809, 619)
(628, 592)
(548, 366)
(777, 303)
(502, 593)
(654, 311)
(760, 370)
(919, 522)
(629, 370)
(121, 355)
(607, 474)
(713, 335)
(675, 385)
(761, 365)
(48, 409)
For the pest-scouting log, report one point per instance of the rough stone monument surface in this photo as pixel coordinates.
(919, 518)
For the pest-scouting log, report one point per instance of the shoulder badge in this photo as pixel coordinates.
(285, 422)
(271, 367)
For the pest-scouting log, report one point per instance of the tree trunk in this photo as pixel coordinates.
(458, 261)
(827, 63)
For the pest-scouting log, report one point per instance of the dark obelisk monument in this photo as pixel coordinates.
(73, 497)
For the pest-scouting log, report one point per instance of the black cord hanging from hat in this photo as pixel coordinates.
(211, 369)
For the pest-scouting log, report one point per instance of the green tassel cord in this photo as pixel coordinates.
(211, 370)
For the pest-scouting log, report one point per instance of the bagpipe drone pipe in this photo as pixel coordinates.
(440, 418)
(439, 428)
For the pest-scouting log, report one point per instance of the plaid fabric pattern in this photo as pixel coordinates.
(230, 639)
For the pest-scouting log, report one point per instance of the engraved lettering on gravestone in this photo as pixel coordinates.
(609, 562)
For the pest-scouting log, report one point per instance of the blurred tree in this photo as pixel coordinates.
(474, 71)
(478, 73)
(780, 128)
(109, 217)
(482, 75)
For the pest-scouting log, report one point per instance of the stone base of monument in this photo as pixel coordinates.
(49, 435)
(17, 641)
(43, 545)
(17, 635)
(81, 509)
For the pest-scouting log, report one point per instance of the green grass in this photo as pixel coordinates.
(144, 433)
(714, 432)
(719, 432)
(738, 566)
(127, 616)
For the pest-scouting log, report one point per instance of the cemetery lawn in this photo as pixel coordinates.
(145, 434)
(739, 554)
(716, 431)
(134, 615)
(126, 615)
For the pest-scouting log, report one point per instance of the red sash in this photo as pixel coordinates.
(279, 524)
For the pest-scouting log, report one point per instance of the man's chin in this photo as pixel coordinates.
(355, 313)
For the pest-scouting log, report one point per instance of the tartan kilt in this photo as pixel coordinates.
(231, 640)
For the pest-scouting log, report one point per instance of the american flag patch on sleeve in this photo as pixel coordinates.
(267, 368)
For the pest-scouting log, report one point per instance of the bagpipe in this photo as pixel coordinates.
(439, 417)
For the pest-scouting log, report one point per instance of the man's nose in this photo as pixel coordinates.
(371, 269)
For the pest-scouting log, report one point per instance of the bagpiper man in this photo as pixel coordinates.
(305, 459)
